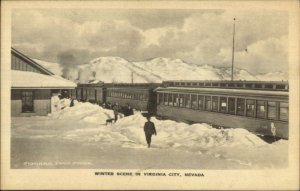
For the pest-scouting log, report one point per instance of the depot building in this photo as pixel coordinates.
(32, 86)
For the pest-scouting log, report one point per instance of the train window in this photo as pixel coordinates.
(261, 109)
(248, 85)
(208, 103)
(250, 107)
(194, 84)
(200, 102)
(239, 85)
(271, 110)
(182, 83)
(223, 85)
(145, 96)
(188, 83)
(230, 85)
(166, 99)
(187, 101)
(258, 85)
(240, 106)
(176, 100)
(201, 84)
(160, 98)
(223, 104)
(281, 87)
(95, 95)
(181, 100)
(207, 84)
(215, 102)
(231, 105)
(215, 84)
(194, 101)
(283, 111)
(269, 86)
(176, 83)
(170, 99)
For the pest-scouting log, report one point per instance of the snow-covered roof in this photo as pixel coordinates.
(30, 61)
(32, 80)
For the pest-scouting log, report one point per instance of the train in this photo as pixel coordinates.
(261, 107)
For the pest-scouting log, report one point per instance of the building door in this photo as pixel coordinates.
(27, 101)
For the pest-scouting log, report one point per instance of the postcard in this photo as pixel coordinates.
(146, 95)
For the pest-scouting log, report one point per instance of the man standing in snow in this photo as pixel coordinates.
(116, 111)
(128, 110)
(149, 129)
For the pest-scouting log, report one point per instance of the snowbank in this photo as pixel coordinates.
(87, 112)
(171, 134)
(85, 123)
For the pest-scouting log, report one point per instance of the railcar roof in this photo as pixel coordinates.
(229, 81)
(221, 90)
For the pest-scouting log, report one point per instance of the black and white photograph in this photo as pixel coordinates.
(150, 88)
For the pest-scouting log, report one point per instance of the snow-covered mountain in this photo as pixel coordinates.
(116, 69)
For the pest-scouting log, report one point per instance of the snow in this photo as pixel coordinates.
(85, 123)
(117, 69)
(52, 66)
(22, 79)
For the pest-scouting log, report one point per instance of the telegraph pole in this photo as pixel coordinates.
(132, 77)
(232, 49)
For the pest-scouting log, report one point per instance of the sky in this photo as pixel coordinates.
(76, 36)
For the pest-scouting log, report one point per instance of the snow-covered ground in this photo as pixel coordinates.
(187, 146)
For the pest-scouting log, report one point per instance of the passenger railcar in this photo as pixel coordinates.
(228, 104)
(94, 93)
(140, 96)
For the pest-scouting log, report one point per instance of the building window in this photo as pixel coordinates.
(27, 101)
(231, 105)
(188, 101)
(194, 101)
(208, 103)
(261, 109)
(250, 108)
(240, 106)
(283, 111)
(271, 110)
(200, 102)
(223, 104)
(215, 102)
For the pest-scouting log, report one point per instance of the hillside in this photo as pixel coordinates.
(116, 69)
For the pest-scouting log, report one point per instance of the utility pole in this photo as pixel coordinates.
(132, 77)
(233, 49)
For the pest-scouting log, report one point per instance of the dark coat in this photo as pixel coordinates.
(149, 128)
(130, 111)
(116, 109)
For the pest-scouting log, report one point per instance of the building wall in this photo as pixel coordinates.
(41, 103)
